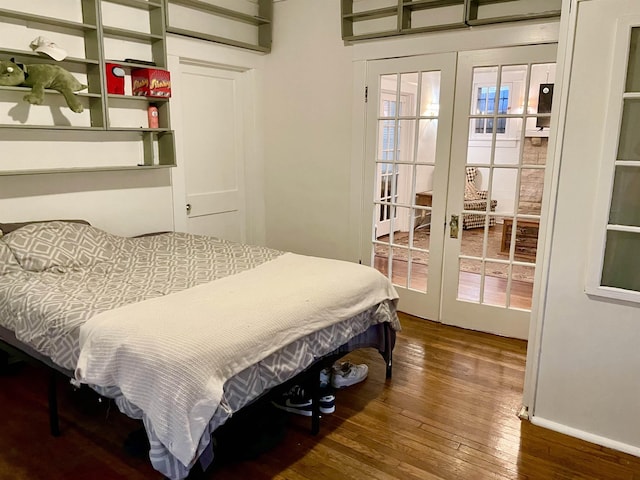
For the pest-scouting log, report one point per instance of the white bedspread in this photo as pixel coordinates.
(171, 355)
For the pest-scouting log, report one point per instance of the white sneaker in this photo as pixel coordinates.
(325, 377)
(346, 374)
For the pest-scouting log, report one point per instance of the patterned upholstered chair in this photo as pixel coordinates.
(475, 199)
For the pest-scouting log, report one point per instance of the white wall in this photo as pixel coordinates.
(588, 379)
(308, 130)
(124, 203)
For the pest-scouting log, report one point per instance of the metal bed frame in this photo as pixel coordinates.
(11, 345)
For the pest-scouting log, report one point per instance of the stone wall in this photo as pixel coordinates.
(532, 180)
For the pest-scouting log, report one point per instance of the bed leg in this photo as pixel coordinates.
(389, 361)
(314, 389)
(388, 350)
(54, 425)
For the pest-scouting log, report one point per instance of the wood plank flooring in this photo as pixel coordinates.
(448, 413)
(495, 288)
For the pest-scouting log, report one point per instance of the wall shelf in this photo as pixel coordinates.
(218, 39)
(56, 22)
(9, 52)
(474, 8)
(130, 34)
(48, 91)
(73, 128)
(54, 123)
(421, 16)
(8, 173)
(370, 14)
(138, 98)
(257, 36)
(223, 12)
(142, 4)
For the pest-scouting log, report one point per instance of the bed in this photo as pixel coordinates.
(119, 314)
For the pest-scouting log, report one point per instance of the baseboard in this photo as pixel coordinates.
(589, 437)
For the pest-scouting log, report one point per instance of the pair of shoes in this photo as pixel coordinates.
(297, 401)
(345, 374)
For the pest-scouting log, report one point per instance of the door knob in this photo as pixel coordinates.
(188, 208)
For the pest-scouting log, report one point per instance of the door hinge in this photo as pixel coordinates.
(366, 94)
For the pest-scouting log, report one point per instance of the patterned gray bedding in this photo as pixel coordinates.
(55, 276)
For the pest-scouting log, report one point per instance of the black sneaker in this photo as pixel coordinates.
(296, 401)
(327, 401)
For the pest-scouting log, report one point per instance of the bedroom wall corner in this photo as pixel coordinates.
(308, 130)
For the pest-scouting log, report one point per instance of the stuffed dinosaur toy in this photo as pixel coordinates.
(39, 77)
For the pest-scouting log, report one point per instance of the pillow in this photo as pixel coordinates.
(8, 262)
(10, 227)
(61, 245)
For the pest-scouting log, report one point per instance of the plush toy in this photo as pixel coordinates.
(39, 77)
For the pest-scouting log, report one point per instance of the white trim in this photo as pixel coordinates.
(608, 162)
(568, 19)
(178, 181)
(358, 142)
(589, 437)
(613, 293)
(623, 228)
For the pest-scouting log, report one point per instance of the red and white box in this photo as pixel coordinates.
(150, 82)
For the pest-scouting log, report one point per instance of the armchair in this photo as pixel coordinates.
(475, 199)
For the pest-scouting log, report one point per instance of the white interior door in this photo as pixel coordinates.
(496, 181)
(212, 146)
(409, 117)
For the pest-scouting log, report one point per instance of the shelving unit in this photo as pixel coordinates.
(475, 7)
(418, 16)
(105, 114)
(260, 24)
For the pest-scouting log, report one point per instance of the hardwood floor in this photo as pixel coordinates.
(448, 413)
(495, 288)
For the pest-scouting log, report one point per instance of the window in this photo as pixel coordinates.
(615, 264)
(486, 104)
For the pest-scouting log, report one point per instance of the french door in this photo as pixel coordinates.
(409, 118)
(464, 248)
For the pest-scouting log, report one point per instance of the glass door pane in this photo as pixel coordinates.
(407, 135)
(509, 124)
